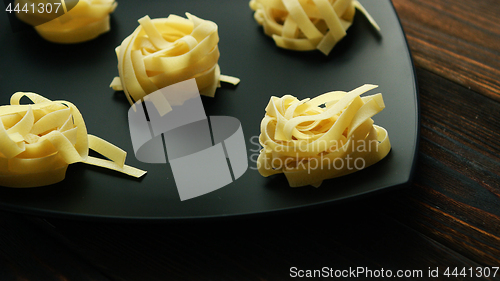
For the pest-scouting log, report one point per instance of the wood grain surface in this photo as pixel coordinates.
(449, 218)
(458, 40)
(456, 191)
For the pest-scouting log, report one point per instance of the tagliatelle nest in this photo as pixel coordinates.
(322, 138)
(304, 25)
(165, 51)
(83, 22)
(38, 141)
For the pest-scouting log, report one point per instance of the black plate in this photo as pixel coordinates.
(81, 74)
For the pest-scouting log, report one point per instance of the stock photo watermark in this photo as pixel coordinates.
(204, 153)
(299, 155)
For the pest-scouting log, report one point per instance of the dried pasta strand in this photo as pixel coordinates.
(39, 141)
(229, 79)
(108, 150)
(164, 51)
(305, 25)
(84, 22)
(131, 171)
(307, 142)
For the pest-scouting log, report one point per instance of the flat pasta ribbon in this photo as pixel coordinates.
(304, 25)
(38, 141)
(312, 140)
(165, 51)
(84, 22)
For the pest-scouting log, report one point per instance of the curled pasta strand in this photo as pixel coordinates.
(165, 51)
(84, 22)
(304, 25)
(38, 141)
(308, 140)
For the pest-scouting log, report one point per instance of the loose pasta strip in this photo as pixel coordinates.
(304, 25)
(83, 22)
(165, 51)
(325, 137)
(38, 141)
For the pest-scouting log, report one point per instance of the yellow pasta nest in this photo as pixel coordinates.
(322, 138)
(84, 22)
(165, 51)
(38, 141)
(304, 25)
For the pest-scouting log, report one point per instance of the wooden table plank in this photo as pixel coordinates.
(456, 39)
(456, 195)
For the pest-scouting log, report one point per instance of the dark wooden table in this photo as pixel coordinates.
(449, 218)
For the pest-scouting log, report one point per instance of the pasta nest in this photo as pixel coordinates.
(325, 137)
(304, 25)
(165, 51)
(72, 23)
(38, 141)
